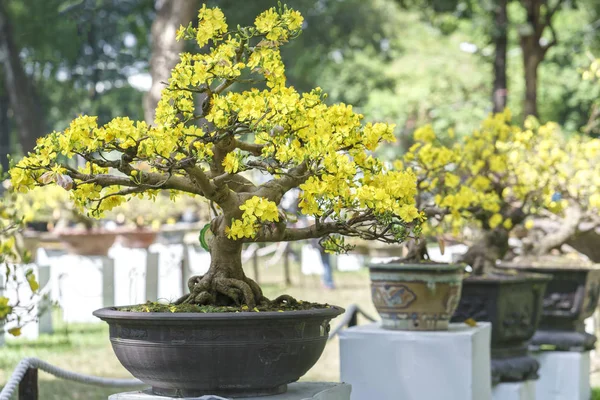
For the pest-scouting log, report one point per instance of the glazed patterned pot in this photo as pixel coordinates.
(417, 296)
(512, 302)
(570, 297)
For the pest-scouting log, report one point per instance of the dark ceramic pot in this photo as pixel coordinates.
(416, 296)
(226, 354)
(513, 304)
(571, 297)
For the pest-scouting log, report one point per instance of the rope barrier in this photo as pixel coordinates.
(32, 362)
(349, 319)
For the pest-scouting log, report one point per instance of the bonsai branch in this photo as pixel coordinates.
(567, 229)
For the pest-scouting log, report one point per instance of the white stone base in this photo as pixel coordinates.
(391, 365)
(564, 375)
(514, 391)
(296, 391)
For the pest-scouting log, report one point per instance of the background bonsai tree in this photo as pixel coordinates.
(209, 130)
(493, 178)
(573, 215)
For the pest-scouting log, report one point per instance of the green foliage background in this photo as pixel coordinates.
(397, 61)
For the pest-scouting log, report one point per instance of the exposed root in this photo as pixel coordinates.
(284, 298)
(212, 289)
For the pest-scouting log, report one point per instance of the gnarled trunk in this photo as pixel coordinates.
(485, 252)
(224, 283)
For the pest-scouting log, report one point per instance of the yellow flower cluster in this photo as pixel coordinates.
(256, 210)
(270, 127)
(488, 173)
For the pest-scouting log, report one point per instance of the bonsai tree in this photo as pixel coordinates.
(224, 111)
(491, 179)
(573, 215)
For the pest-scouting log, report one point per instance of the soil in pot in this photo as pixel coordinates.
(419, 296)
(512, 302)
(570, 297)
(234, 354)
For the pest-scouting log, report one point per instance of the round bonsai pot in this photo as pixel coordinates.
(87, 242)
(227, 354)
(513, 304)
(415, 296)
(137, 238)
(570, 297)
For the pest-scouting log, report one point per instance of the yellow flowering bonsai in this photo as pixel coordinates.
(574, 210)
(209, 131)
(493, 178)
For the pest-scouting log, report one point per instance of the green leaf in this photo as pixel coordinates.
(202, 237)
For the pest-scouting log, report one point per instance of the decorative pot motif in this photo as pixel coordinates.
(513, 304)
(226, 354)
(415, 296)
(87, 243)
(570, 297)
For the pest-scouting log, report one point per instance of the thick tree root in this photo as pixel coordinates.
(221, 291)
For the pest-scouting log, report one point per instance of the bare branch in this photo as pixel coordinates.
(147, 180)
(251, 148)
(235, 182)
(276, 188)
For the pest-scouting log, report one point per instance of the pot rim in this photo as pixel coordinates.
(413, 266)
(549, 267)
(111, 313)
(504, 277)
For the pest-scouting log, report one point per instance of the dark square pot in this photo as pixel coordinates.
(513, 304)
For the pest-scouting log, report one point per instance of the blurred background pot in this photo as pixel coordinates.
(137, 238)
(512, 302)
(570, 297)
(94, 242)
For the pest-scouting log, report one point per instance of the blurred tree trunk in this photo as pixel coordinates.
(5, 146)
(587, 243)
(539, 17)
(500, 39)
(24, 102)
(170, 15)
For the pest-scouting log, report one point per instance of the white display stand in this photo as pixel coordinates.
(349, 262)
(391, 365)
(311, 263)
(514, 391)
(296, 391)
(564, 375)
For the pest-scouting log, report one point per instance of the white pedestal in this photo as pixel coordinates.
(514, 391)
(564, 375)
(391, 365)
(296, 391)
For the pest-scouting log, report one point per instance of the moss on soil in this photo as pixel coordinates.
(193, 308)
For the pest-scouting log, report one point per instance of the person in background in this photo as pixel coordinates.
(327, 277)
